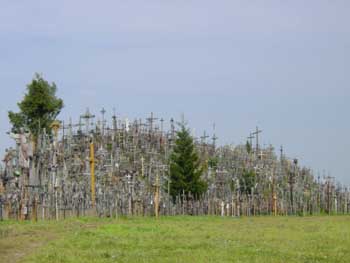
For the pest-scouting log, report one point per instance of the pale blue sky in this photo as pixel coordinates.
(282, 65)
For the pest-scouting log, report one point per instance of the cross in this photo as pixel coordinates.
(257, 131)
(161, 125)
(142, 166)
(214, 136)
(87, 116)
(204, 137)
(250, 138)
(183, 122)
(103, 112)
(128, 176)
(114, 125)
(172, 129)
(261, 155)
(151, 120)
(281, 152)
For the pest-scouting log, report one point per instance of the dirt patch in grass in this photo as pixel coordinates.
(18, 243)
(19, 240)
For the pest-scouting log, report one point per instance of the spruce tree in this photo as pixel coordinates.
(38, 109)
(185, 167)
(248, 147)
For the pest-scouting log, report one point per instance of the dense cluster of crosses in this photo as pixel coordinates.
(123, 169)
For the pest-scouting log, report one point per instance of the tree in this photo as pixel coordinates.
(185, 167)
(38, 109)
(248, 147)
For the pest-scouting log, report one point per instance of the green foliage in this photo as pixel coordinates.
(248, 147)
(247, 182)
(38, 109)
(109, 147)
(213, 162)
(185, 168)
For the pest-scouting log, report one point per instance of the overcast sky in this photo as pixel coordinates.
(281, 65)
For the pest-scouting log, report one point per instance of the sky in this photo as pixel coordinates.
(281, 65)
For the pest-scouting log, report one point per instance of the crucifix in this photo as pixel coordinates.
(142, 166)
(87, 116)
(103, 112)
(114, 120)
(172, 128)
(250, 138)
(161, 125)
(204, 137)
(256, 133)
(281, 154)
(151, 121)
(261, 155)
(214, 136)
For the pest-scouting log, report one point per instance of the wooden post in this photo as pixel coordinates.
(55, 126)
(142, 167)
(275, 204)
(156, 197)
(92, 173)
(34, 211)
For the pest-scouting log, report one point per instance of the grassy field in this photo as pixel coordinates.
(178, 239)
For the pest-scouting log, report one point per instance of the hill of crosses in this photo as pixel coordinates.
(115, 168)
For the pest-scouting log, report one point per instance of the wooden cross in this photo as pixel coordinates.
(204, 137)
(151, 120)
(250, 138)
(214, 136)
(256, 133)
(103, 112)
(161, 125)
(87, 116)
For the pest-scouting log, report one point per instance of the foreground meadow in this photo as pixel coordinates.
(178, 239)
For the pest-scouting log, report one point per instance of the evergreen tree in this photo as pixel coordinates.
(185, 168)
(38, 109)
(248, 147)
(247, 182)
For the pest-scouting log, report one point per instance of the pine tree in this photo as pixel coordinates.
(248, 147)
(185, 167)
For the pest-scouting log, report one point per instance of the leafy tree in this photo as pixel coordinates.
(185, 168)
(38, 109)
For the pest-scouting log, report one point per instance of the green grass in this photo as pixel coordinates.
(181, 239)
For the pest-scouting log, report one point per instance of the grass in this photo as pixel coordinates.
(178, 239)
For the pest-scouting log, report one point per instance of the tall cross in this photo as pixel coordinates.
(214, 138)
(281, 153)
(142, 166)
(161, 125)
(172, 127)
(114, 123)
(87, 116)
(256, 133)
(103, 112)
(204, 137)
(250, 138)
(151, 120)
